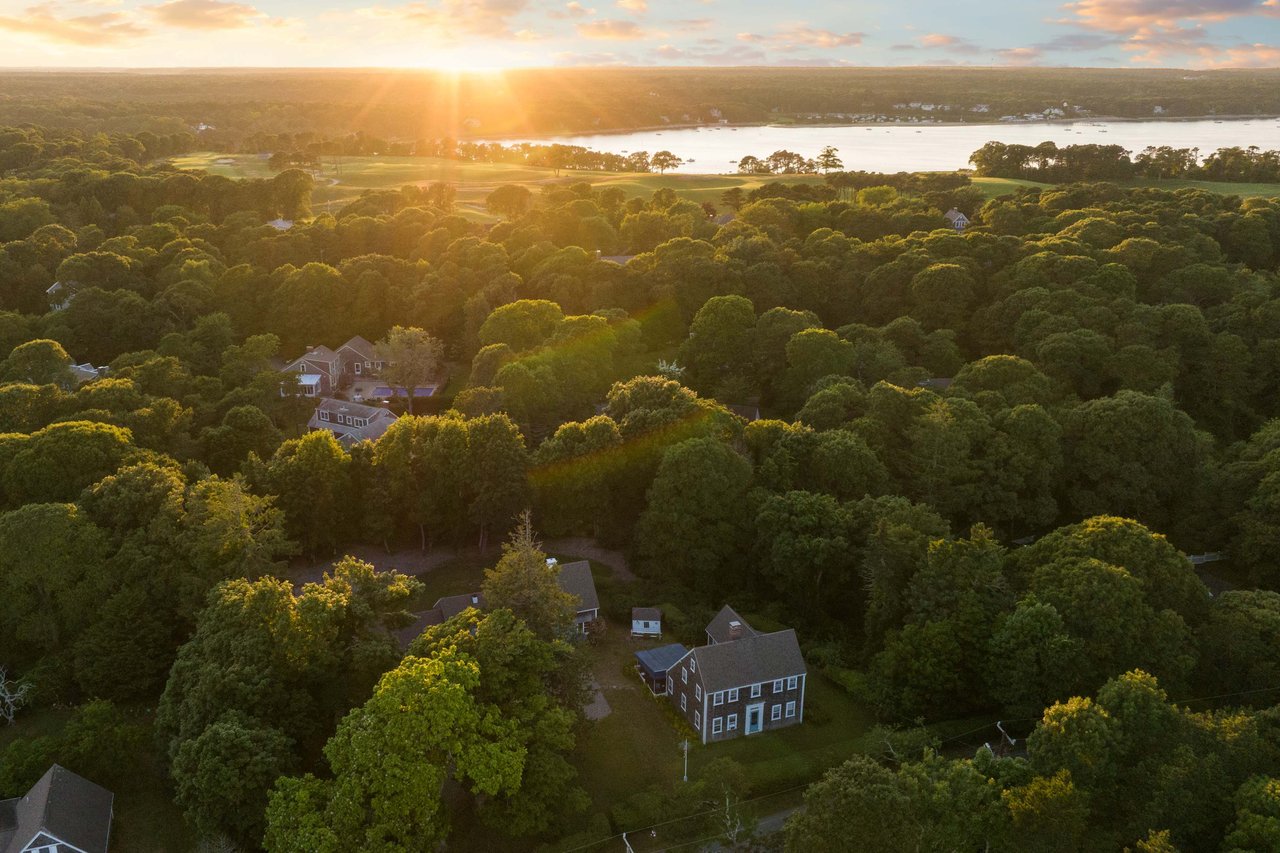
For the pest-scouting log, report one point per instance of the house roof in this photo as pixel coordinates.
(751, 660)
(718, 627)
(63, 805)
(575, 579)
(380, 420)
(315, 355)
(952, 215)
(451, 605)
(361, 347)
(646, 614)
(662, 658)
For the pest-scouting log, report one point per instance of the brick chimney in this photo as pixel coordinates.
(735, 630)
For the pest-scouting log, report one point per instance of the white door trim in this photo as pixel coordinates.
(757, 708)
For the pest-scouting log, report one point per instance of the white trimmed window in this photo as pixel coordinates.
(755, 691)
(717, 725)
(733, 695)
(684, 702)
(717, 698)
(733, 722)
(697, 720)
(791, 709)
(793, 682)
(775, 713)
(693, 664)
(697, 692)
(777, 686)
(684, 675)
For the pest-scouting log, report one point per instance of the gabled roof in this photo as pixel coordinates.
(451, 605)
(362, 348)
(751, 660)
(952, 215)
(646, 614)
(62, 805)
(718, 627)
(315, 355)
(575, 579)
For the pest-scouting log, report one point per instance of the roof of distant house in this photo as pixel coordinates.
(719, 628)
(362, 347)
(753, 659)
(62, 805)
(646, 614)
(575, 579)
(952, 215)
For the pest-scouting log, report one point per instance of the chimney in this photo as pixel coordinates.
(735, 630)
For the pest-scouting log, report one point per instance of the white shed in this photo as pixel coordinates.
(646, 622)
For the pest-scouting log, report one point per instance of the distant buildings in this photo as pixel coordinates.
(957, 219)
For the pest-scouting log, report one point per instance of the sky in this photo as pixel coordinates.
(484, 34)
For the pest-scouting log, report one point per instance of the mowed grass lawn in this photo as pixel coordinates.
(474, 181)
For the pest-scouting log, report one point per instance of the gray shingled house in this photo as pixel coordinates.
(351, 423)
(574, 578)
(740, 683)
(62, 813)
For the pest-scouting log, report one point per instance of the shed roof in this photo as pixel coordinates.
(752, 660)
(646, 614)
(662, 658)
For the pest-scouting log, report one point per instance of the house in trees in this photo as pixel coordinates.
(62, 813)
(646, 622)
(741, 683)
(323, 371)
(318, 369)
(574, 578)
(957, 219)
(357, 358)
(59, 296)
(351, 423)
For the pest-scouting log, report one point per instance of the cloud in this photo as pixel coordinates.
(711, 54)
(612, 29)
(205, 14)
(590, 59)
(638, 7)
(798, 36)
(450, 19)
(1127, 16)
(573, 9)
(44, 21)
(952, 44)
(1019, 55)
(1246, 56)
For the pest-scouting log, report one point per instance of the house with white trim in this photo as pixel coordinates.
(61, 813)
(741, 683)
(351, 423)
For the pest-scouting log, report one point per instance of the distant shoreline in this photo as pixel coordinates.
(506, 137)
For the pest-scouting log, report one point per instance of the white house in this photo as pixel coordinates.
(646, 622)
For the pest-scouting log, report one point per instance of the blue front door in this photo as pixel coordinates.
(755, 718)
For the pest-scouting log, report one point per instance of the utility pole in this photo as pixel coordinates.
(686, 759)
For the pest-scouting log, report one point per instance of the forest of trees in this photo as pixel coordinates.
(233, 105)
(1051, 163)
(980, 462)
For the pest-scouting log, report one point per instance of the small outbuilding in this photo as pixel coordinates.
(654, 664)
(646, 622)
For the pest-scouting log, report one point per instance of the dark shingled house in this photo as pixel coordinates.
(740, 683)
(62, 813)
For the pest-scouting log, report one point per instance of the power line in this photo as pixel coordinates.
(686, 817)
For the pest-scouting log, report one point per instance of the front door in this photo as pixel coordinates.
(755, 718)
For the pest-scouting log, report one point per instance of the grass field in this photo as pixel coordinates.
(474, 181)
